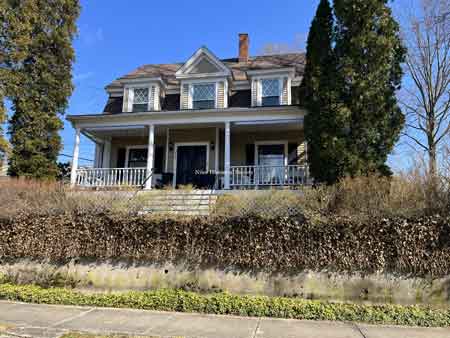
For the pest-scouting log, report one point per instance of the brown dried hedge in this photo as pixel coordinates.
(415, 247)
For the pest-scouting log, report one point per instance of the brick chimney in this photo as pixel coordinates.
(243, 47)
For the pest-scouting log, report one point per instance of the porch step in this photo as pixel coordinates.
(180, 202)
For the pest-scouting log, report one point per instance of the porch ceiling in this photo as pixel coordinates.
(240, 127)
(122, 131)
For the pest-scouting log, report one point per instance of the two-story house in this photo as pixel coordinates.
(225, 124)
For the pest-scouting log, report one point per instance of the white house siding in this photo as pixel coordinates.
(125, 100)
(151, 98)
(284, 92)
(185, 96)
(255, 84)
(220, 94)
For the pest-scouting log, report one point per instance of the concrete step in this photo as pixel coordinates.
(179, 202)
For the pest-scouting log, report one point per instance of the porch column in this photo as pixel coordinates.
(98, 155)
(76, 152)
(217, 151)
(106, 161)
(166, 167)
(151, 145)
(227, 156)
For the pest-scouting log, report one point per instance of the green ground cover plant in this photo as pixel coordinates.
(228, 304)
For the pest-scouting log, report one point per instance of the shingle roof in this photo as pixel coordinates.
(238, 69)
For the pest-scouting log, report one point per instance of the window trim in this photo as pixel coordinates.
(127, 152)
(285, 143)
(200, 84)
(280, 90)
(148, 88)
(141, 146)
(154, 88)
(191, 84)
(256, 84)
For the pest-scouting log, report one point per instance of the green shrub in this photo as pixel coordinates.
(228, 304)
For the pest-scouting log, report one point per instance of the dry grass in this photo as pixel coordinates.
(19, 196)
(409, 194)
(268, 204)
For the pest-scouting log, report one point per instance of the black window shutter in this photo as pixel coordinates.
(159, 156)
(292, 153)
(250, 154)
(121, 158)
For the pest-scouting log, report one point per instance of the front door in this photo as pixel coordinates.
(191, 162)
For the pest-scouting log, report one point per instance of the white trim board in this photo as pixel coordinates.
(202, 52)
(175, 157)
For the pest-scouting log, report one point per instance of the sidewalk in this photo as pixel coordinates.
(32, 320)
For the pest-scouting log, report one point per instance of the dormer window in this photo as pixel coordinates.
(204, 96)
(140, 100)
(270, 92)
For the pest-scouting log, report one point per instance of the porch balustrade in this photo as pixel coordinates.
(240, 176)
(258, 175)
(111, 177)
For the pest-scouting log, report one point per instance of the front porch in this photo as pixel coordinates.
(216, 155)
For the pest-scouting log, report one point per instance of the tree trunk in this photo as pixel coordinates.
(433, 180)
(432, 162)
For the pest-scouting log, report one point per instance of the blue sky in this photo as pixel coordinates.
(115, 37)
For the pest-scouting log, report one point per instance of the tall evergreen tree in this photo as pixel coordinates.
(369, 55)
(37, 57)
(323, 123)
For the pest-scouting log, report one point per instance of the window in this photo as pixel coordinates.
(270, 95)
(137, 158)
(140, 100)
(204, 96)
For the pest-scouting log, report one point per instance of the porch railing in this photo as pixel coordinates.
(257, 175)
(111, 177)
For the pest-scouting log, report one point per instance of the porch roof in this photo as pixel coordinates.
(253, 114)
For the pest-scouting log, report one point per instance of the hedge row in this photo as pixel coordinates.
(415, 247)
(228, 304)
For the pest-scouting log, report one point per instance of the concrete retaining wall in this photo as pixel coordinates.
(118, 276)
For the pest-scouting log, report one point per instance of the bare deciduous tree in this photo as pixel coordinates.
(427, 99)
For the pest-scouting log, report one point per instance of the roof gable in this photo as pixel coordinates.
(202, 64)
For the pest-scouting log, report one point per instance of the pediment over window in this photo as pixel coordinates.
(203, 64)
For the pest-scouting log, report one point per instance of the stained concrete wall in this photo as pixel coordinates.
(117, 276)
